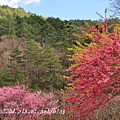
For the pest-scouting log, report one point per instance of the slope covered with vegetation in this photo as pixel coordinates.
(40, 37)
(31, 32)
(35, 52)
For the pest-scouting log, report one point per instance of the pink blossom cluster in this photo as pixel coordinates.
(20, 100)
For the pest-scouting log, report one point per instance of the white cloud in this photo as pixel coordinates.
(15, 3)
(32, 1)
(4, 2)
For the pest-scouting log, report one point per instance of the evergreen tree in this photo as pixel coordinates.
(44, 69)
(6, 78)
(32, 63)
(16, 66)
(52, 74)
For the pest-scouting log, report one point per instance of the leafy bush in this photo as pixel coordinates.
(95, 78)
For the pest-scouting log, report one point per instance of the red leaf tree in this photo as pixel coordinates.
(95, 78)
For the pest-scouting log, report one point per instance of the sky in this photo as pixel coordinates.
(64, 9)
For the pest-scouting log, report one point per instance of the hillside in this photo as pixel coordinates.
(33, 49)
(6, 47)
(8, 11)
(48, 55)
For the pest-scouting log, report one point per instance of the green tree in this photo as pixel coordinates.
(16, 66)
(6, 78)
(32, 63)
(43, 67)
(52, 74)
(23, 28)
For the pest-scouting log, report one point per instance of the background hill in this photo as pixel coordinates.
(33, 49)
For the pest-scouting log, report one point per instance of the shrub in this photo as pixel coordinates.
(18, 103)
(95, 78)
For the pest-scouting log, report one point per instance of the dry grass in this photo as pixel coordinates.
(7, 45)
(112, 112)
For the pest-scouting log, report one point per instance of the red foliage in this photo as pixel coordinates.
(95, 74)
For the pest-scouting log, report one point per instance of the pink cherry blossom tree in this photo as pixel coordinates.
(18, 103)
